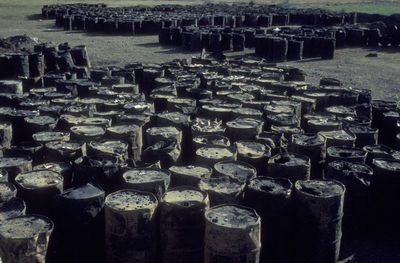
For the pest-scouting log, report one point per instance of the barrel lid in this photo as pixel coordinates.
(323, 121)
(145, 175)
(215, 152)
(236, 169)
(320, 188)
(97, 160)
(388, 164)
(109, 146)
(64, 145)
(341, 110)
(24, 227)
(175, 117)
(86, 191)
(129, 200)
(271, 185)
(216, 108)
(212, 139)
(72, 119)
(12, 208)
(207, 125)
(247, 111)
(122, 128)
(348, 168)
(223, 185)
(289, 159)
(378, 149)
(11, 161)
(57, 167)
(244, 123)
(50, 136)
(345, 151)
(308, 139)
(165, 132)
(339, 134)
(252, 149)
(279, 109)
(192, 170)
(88, 130)
(38, 179)
(232, 216)
(96, 121)
(185, 196)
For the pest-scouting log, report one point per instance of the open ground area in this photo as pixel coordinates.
(351, 66)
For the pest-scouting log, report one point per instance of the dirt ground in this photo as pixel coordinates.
(351, 66)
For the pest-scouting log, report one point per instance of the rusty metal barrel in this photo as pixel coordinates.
(313, 146)
(290, 165)
(182, 225)
(131, 226)
(152, 180)
(271, 198)
(233, 234)
(357, 179)
(24, 239)
(318, 220)
(37, 188)
(223, 190)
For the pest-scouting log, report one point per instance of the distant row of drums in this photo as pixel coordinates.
(136, 20)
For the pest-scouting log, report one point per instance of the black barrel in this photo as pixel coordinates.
(313, 146)
(99, 169)
(280, 50)
(292, 166)
(357, 202)
(79, 233)
(318, 220)
(271, 198)
(37, 188)
(233, 234)
(64, 151)
(80, 56)
(254, 153)
(182, 224)
(295, 50)
(131, 226)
